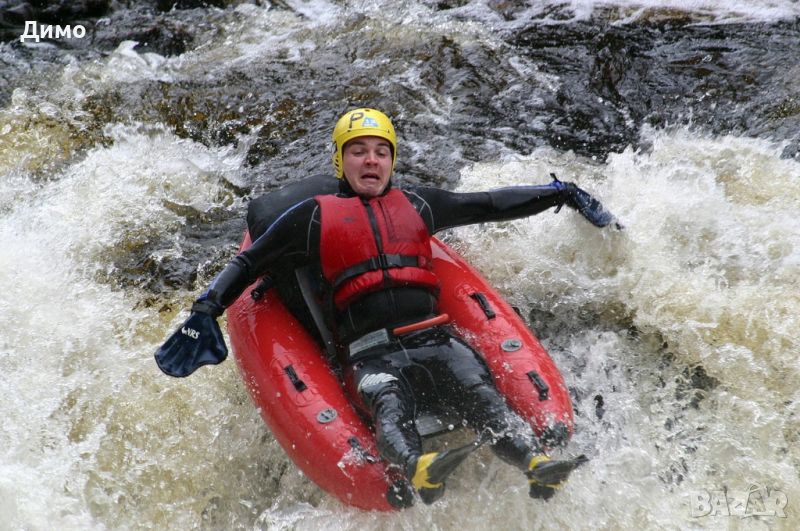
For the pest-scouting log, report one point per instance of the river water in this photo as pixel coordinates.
(125, 176)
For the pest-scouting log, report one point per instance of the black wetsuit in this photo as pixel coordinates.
(433, 365)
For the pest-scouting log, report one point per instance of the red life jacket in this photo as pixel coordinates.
(369, 245)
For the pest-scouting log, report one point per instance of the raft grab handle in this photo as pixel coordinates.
(484, 303)
(355, 444)
(541, 385)
(298, 384)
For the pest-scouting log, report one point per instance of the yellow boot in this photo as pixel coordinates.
(546, 475)
(432, 469)
(429, 491)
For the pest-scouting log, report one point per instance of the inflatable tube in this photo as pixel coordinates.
(303, 403)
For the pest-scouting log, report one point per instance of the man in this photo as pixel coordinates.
(369, 248)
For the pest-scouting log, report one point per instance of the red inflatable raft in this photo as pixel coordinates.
(303, 403)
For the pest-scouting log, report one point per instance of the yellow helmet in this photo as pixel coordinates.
(361, 122)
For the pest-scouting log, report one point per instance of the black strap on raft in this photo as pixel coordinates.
(382, 261)
(262, 287)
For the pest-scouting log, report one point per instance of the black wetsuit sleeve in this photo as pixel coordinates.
(442, 209)
(286, 238)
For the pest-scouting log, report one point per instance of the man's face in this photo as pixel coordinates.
(367, 164)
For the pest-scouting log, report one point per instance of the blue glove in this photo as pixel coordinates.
(586, 205)
(196, 343)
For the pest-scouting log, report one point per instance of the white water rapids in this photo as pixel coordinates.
(679, 335)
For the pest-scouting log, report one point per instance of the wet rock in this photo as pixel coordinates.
(161, 34)
(52, 12)
(721, 78)
(693, 385)
(105, 28)
(507, 9)
(446, 4)
(66, 11)
(169, 5)
(14, 15)
(700, 379)
(166, 5)
(599, 406)
(208, 242)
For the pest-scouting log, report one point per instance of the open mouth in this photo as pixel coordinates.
(370, 177)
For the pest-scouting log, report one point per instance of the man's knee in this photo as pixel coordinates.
(393, 406)
(376, 387)
(393, 415)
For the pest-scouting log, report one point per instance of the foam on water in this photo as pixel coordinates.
(510, 16)
(704, 275)
(72, 346)
(726, 11)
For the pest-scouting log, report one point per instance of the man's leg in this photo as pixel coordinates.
(385, 395)
(467, 386)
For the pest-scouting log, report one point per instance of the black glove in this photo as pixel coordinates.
(586, 205)
(196, 343)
